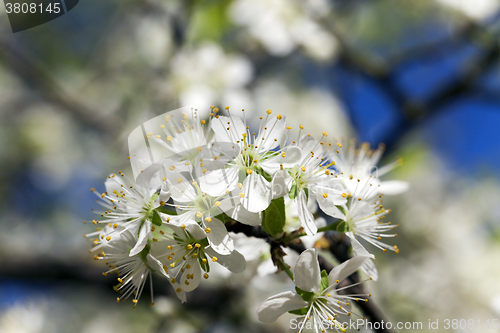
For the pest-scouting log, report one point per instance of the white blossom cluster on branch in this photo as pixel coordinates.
(192, 175)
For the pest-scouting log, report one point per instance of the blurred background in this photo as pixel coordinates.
(422, 76)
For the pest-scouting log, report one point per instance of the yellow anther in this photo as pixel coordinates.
(120, 280)
(197, 245)
(205, 276)
(204, 170)
(242, 195)
(339, 145)
(207, 230)
(172, 167)
(173, 280)
(325, 195)
(249, 171)
(178, 290)
(203, 122)
(208, 219)
(240, 185)
(183, 226)
(283, 155)
(325, 134)
(269, 111)
(198, 214)
(162, 203)
(279, 117)
(301, 127)
(204, 260)
(303, 168)
(169, 138)
(217, 203)
(179, 180)
(214, 259)
(108, 238)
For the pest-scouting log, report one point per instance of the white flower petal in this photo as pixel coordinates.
(223, 134)
(194, 270)
(393, 187)
(181, 189)
(307, 144)
(266, 267)
(236, 211)
(345, 269)
(142, 239)
(156, 265)
(327, 205)
(292, 157)
(151, 178)
(218, 233)
(215, 183)
(359, 250)
(306, 218)
(275, 306)
(281, 184)
(181, 294)
(275, 130)
(257, 192)
(235, 262)
(113, 183)
(195, 230)
(307, 275)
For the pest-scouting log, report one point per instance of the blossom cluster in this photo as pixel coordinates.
(192, 175)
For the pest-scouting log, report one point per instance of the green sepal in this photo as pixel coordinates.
(300, 312)
(267, 176)
(324, 280)
(307, 296)
(294, 191)
(342, 226)
(156, 220)
(273, 218)
(223, 218)
(205, 267)
(154, 197)
(165, 210)
(144, 254)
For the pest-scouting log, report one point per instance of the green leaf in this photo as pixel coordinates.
(156, 220)
(300, 312)
(273, 218)
(307, 296)
(324, 280)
